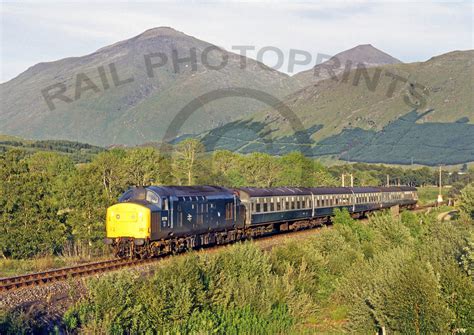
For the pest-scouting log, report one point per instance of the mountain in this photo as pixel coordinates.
(361, 55)
(397, 113)
(112, 97)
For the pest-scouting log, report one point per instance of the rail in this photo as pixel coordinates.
(40, 278)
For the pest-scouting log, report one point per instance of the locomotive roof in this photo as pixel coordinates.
(180, 191)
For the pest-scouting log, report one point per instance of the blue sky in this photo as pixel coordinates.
(33, 32)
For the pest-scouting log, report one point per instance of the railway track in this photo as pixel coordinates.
(41, 278)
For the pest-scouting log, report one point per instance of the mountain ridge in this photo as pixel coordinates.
(97, 117)
(361, 55)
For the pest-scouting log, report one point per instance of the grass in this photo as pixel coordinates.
(429, 194)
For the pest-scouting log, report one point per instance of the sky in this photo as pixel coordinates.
(33, 32)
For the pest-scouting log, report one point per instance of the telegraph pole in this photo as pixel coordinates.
(440, 195)
(388, 180)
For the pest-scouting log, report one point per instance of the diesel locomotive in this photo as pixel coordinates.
(155, 220)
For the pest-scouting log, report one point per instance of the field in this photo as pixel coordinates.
(429, 194)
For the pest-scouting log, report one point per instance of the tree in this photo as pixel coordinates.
(185, 161)
(142, 167)
(31, 198)
(412, 303)
(466, 202)
(88, 200)
(295, 170)
(109, 166)
(226, 168)
(260, 169)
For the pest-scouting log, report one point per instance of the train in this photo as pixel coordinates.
(155, 220)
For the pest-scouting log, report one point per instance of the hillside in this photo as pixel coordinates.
(138, 111)
(78, 152)
(346, 118)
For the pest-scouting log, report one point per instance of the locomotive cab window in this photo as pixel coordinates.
(152, 197)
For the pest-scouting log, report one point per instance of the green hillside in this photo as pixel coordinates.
(78, 152)
(361, 123)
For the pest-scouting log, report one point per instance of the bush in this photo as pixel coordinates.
(407, 275)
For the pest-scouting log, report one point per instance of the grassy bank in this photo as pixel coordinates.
(15, 267)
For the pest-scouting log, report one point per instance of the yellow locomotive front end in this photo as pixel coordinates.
(128, 220)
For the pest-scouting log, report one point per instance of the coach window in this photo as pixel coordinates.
(272, 207)
(265, 207)
(257, 208)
